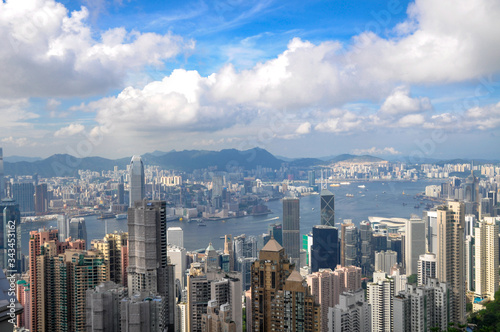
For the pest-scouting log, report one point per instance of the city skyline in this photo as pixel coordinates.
(115, 78)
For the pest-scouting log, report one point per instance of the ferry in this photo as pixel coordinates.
(349, 195)
(121, 216)
(362, 186)
(335, 185)
(107, 215)
(345, 183)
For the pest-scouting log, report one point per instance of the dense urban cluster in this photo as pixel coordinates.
(427, 272)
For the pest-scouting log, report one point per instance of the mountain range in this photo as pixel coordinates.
(187, 160)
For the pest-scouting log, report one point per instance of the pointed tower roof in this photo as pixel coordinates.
(295, 276)
(210, 247)
(272, 245)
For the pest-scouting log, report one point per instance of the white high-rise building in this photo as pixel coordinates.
(177, 256)
(486, 258)
(385, 260)
(352, 314)
(426, 268)
(380, 295)
(137, 190)
(175, 236)
(414, 243)
(421, 308)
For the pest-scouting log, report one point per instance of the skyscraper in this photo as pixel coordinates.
(10, 224)
(325, 250)
(149, 269)
(486, 258)
(269, 273)
(414, 243)
(366, 235)
(385, 260)
(380, 295)
(291, 229)
(137, 190)
(346, 223)
(41, 198)
(175, 236)
(426, 268)
(352, 314)
(327, 208)
(78, 229)
(23, 194)
(2, 181)
(450, 256)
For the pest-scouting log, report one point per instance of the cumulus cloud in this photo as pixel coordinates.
(19, 141)
(72, 129)
(47, 51)
(400, 103)
(304, 128)
(376, 151)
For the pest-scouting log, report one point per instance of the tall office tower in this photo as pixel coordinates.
(346, 223)
(430, 217)
(351, 246)
(24, 195)
(427, 265)
(311, 178)
(177, 256)
(2, 180)
(245, 267)
(470, 224)
(395, 245)
(269, 273)
(78, 229)
(293, 308)
(137, 185)
(10, 229)
(291, 229)
(450, 256)
(149, 269)
(352, 314)
(198, 292)
(228, 291)
(143, 312)
(325, 250)
(112, 247)
(379, 242)
(217, 318)
(211, 259)
(175, 236)
(385, 260)
(120, 193)
(245, 247)
(276, 230)
(63, 227)
(229, 250)
(470, 263)
(41, 198)
(422, 308)
(327, 208)
(414, 243)
(365, 235)
(380, 295)
(102, 307)
(486, 257)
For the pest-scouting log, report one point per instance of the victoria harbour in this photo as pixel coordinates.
(382, 199)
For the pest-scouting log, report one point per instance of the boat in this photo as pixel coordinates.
(335, 185)
(403, 192)
(312, 209)
(202, 224)
(349, 195)
(121, 216)
(362, 186)
(106, 215)
(345, 183)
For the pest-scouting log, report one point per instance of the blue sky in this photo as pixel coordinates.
(300, 79)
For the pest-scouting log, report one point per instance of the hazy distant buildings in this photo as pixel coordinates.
(136, 180)
(41, 198)
(291, 229)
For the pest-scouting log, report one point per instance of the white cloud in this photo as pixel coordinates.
(304, 128)
(377, 151)
(47, 51)
(400, 103)
(19, 142)
(71, 130)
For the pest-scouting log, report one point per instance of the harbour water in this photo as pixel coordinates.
(384, 199)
